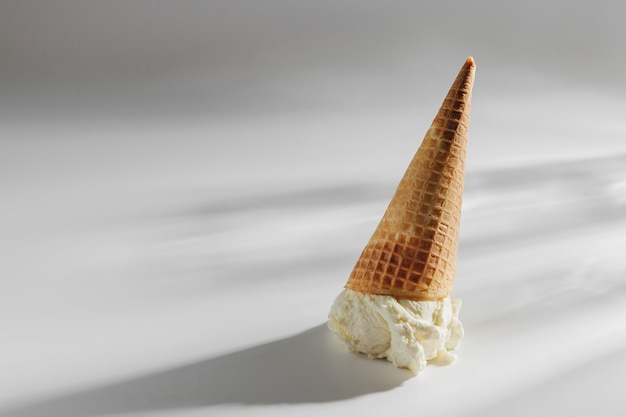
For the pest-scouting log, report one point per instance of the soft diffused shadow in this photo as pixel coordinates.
(307, 368)
(311, 198)
(591, 387)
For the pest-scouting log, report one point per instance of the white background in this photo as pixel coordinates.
(187, 185)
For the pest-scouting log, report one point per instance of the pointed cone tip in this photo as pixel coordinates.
(470, 61)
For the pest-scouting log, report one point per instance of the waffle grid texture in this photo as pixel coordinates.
(412, 253)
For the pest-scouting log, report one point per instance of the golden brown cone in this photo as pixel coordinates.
(412, 253)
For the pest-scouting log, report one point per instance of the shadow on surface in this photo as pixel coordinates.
(591, 387)
(317, 197)
(306, 368)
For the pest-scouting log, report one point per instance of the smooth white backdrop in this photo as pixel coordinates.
(186, 187)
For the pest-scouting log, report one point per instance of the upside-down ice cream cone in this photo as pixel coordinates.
(396, 303)
(412, 253)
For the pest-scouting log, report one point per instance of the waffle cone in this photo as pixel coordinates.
(412, 253)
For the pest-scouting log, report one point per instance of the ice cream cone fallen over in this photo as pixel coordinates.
(396, 303)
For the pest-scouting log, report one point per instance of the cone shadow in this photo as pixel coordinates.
(306, 368)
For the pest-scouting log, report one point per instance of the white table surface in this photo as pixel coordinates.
(162, 264)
